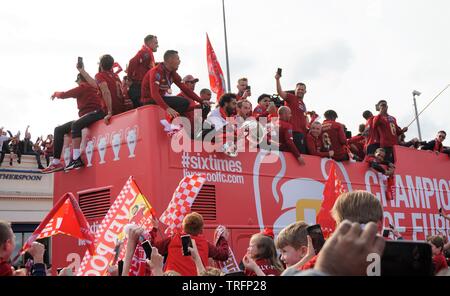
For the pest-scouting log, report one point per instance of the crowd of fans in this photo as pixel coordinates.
(359, 220)
(15, 147)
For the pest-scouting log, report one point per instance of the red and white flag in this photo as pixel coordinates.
(181, 202)
(333, 188)
(130, 207)
(66, 218)
(216, 78)
(231, 264)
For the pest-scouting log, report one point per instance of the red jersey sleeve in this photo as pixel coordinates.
(73, 93)
(341, 134)
(219, 252)
(287, 137)
(155, 80)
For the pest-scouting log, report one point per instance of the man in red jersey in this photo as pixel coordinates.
(190, 82)
(91, 109)
(335, 131)
(264, 108)
(314, 141)
(298, 109)
(371, 134)
(388, 130)
(285, 138)
(157, 88)
(139, 65)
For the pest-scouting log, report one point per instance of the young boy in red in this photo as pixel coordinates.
(437, 250)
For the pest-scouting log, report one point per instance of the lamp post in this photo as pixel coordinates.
(226, 45)
(417, 93)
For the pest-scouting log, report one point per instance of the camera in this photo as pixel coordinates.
(277, 101)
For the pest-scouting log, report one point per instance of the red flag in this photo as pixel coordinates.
(216, 78)
(333, 188)
(66, 218)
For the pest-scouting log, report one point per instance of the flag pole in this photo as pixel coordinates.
(226, 46)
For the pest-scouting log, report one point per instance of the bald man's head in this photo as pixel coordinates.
(284, 113)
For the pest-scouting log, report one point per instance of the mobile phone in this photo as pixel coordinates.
(186, 243)
(406, 258)
(279, 72)
(248, 87)
(80, 62)
(386, 233)
(147, 249)
(316, 234)
(120, 267)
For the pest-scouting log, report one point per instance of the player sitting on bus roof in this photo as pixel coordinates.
(285, 137)
(91, 109)
(314, 141)
(336, 133)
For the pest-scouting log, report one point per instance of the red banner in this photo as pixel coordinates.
(216, 78)
(66, 218)
(130, 207)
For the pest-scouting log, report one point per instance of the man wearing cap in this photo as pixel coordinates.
(91, 109)
(190, 82)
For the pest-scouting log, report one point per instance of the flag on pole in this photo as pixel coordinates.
(216, 78)
(182, 201)
(66, 218)
(333, 188)
(130, 207)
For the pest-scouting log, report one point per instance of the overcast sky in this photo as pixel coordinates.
(350, 53)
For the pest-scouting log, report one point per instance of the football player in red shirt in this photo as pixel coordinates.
(298, 109)
(388, 130)
(371, 134)
(244, 110)
(314, 141)
(140, 64)
(157, 89)
(91, 109)
(335, 131)
(285, 132)
(265, 107)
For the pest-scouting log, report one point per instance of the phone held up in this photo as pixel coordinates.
(279, 72)
(147, 249)
(316, 234)
(186, 242)
(80, 62)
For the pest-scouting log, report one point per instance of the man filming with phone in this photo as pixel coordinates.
(244, 90)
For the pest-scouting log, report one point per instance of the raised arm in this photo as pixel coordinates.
(88, 77)
(280, 91)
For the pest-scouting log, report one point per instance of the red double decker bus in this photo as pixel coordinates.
(246, 193)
